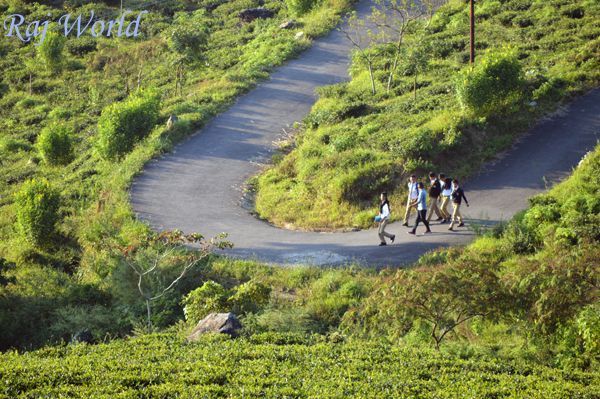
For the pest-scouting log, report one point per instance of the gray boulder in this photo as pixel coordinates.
(224, 323)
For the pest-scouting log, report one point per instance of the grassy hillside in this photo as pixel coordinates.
(515, 314)
(431, 112)
(523, 294)
(275, 366)
(59, 105)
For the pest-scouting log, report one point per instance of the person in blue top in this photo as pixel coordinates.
(421, 203)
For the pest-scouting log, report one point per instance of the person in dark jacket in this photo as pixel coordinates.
(435, 190)
(457, 196)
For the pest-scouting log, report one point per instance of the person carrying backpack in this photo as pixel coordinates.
(457, 196)
(435, 190)
(421, 203)
(383, 218)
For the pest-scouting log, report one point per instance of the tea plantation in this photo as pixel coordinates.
(275, 366)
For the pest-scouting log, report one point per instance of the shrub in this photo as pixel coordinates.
(250, 297)
(55, 145)
(37, 211)
(210, 297)
(520, 237)
(50, 51)
(300, 7)
(81, 45)
(122, 124)
(492, 85)
(579, 344)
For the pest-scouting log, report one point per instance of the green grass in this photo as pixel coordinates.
(270, 366)
(353, 144)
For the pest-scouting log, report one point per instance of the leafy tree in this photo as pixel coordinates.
(37, 204)
(444, 296)
(55, 144)
(417, 61)
(362, 38)
(153, 258)
(50, 51)
(123, 124)
(550, 289)
(187, 39)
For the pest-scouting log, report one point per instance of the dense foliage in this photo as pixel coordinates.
(431, 110)
(275, 366)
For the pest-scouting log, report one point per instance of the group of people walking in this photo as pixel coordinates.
(442, 190)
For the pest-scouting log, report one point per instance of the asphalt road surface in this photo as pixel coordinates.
(198, 187)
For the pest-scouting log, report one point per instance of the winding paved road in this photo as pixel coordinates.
(198, 187)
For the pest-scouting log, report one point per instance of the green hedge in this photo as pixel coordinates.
(55, 145)
(163, 366)
(123, 124)
(37, 211)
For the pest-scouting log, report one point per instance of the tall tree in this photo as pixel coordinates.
(395, 18)
(362, 37)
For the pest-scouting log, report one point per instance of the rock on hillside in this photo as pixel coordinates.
(224, 323)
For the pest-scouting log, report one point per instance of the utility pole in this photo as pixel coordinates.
(472, 30)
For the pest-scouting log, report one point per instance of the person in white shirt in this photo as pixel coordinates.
(413, 194)
(384, 218)
(446, 194)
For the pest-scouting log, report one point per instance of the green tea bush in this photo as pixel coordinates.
(55, 145)
(276, 365)
(249, 297)
(37, 205)
(300, 7)
(50, 51)
(9, 145)
(208, 298)
(123, 124)
(492, 84)
(81, 45)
